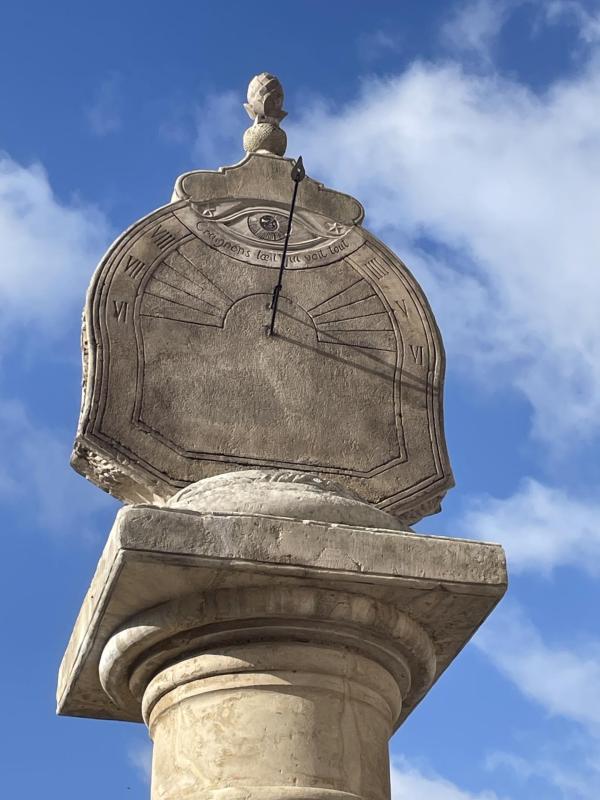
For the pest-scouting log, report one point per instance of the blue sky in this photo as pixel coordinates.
(470, 131)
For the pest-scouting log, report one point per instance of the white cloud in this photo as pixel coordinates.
(140, 756)
(35, 476)
(587, 22)
(540, 527)
(565, 682)
(473, 26)
(409, 783)
(48, 249)
(374, 44)
(220, 123)
(573, 770)
(501, 183)
(103, 114)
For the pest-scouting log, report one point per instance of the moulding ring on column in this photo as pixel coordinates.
(192, 622)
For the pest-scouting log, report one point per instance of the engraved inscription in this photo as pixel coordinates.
(162, 238)
(134, 266)
(417, 354)
(375, 268)
(120, 309)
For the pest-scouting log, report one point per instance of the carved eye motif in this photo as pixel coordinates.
(269, 225)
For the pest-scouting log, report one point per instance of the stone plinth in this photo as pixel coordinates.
(270, 656)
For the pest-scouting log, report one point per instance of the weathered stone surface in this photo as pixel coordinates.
(281, 493)
(175, 564)
(182, 382)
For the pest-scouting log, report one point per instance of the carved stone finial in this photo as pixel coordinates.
(265, 107)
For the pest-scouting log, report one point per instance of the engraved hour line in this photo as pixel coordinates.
(183, 305)
(345, 305)
(134, 266)
(178, 289)
(356, 316)
(185, 277)
(341, 291)
(162, 238)
(206, 278)
(361, 346)
(120, 308)
(183, 321)
(417, 353)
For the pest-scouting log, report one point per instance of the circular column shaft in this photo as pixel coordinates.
(269, 692)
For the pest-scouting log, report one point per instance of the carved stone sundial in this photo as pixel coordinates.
(182, 380)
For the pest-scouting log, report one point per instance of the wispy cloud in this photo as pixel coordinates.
(586, 21)
(36, 479)
(48, 250)
(372, 45)
(564, 681)
(410, 783)
(104, 112)
(220, 124)
(140, 757)
(474, 26)
(570, 767)
(541, 528)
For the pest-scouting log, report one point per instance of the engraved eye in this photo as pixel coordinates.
(268, 222)
(268, 227)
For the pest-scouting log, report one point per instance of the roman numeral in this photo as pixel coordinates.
(375, 268)
(120, 308)
(134, 266)
(402, 307)
(417, 353)
(162, 238)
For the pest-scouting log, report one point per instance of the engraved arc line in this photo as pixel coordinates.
(102, 288)
(99, 289)
(429, 327)
(398, 366)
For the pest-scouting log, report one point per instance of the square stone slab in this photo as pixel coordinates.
(449, 586)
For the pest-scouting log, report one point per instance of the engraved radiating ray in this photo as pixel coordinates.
(160, 288)
(357, 291)
(176, 280)
(163, 308)
(376, 321)
(180, 291)
(371, 304)
(194, 272)
(370, 340)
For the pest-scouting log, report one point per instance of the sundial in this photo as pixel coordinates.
(190, 370)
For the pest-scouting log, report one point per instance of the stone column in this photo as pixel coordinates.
(270, 654)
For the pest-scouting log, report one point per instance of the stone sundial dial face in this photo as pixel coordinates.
(181, 380)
